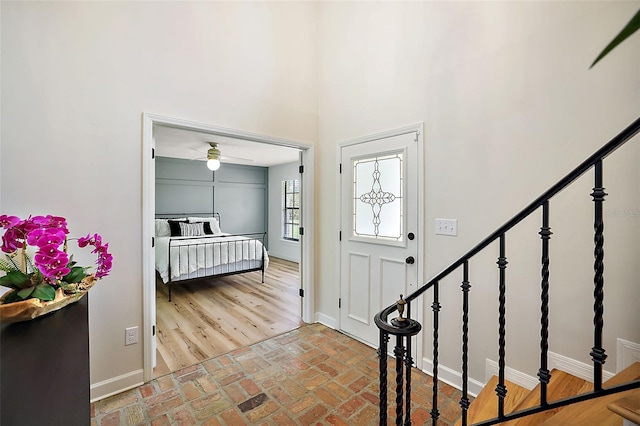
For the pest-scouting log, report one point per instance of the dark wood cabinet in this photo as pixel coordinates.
(44, 369)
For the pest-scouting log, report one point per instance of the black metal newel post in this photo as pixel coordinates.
(435, 306)
(403, 328)
(464, 400)
(501, 389)
(408, 363)
(382, 353)
(543, 372)
(598, 353)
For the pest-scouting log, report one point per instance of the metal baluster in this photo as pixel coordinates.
(543, 374)
(435, 306)
(398, 351)
(382, 353)
(408, 363)
(464, 400)
(501, 389)
(204, 254)
(598, 353)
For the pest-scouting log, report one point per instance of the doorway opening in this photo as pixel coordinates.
(301, 274)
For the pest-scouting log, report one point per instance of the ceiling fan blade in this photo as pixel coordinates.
(204, 153)
(229, 157)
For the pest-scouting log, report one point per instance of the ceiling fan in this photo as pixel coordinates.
(214, 157)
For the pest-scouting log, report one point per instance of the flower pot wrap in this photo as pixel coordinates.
(29, 309)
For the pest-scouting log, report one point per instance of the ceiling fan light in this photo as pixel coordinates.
(213, 157)
(213, 164)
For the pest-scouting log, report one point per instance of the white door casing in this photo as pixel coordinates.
(148, 227)
(380, 205)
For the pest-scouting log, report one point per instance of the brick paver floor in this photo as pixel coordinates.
(309, 376)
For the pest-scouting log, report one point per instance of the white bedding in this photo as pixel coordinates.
(199, 256)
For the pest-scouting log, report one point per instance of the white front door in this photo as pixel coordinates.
(380, 228)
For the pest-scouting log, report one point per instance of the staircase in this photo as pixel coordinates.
(559, 398)
(603, 411)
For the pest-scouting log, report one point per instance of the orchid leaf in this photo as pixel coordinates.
(44, 292)
(72, 262)
(76, 275)
(15, 280)
(25, 293)
(11, 297)
(68, 288)
(630, 28)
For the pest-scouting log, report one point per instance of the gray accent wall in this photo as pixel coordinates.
(239, 193)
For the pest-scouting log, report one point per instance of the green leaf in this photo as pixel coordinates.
(68, 288)
(25, 292)
(72, 262)
(15, 280)
(76, 275)
(630, 28)
(12, 297)
(44, 292)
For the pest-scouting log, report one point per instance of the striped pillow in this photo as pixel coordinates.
(191, 229)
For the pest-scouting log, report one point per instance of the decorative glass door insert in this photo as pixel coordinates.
(378, 197)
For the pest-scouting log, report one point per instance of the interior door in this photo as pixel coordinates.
(379, 225)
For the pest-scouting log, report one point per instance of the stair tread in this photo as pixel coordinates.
(628, 407)
(627, 375)
(594, 412)
(485, 405)
(561, 385)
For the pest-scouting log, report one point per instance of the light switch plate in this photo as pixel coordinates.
(447, 227)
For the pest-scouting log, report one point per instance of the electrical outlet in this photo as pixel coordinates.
(447, 227)
(130, 336)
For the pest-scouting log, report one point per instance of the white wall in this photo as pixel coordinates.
(503, 88)
(76, 78)
(509, 106)
(279, 247)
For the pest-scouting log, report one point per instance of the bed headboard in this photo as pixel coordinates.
(177, 215)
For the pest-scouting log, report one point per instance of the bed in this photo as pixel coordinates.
(194, 247)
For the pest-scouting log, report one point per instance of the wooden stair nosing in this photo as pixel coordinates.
(628, 407)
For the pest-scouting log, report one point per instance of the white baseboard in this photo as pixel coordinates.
(514, 376)
(326, 320)
(451, 377)
(628, 353)
(116, 385)
(295, 259)
(576, 368)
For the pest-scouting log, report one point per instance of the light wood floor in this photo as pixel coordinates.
(209, 317)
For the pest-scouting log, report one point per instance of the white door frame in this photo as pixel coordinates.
(148, 225)
(418, 313)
